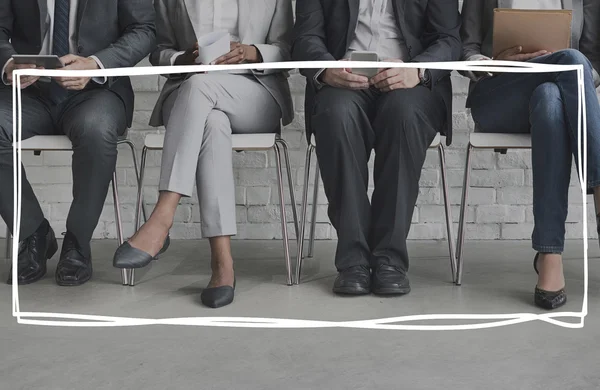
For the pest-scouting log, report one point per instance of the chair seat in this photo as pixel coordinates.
(47, 143)
(52, 143)
(434, 144)
(239, 141)
(500, 141)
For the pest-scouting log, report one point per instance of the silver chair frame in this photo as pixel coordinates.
(465, 200)
(279, 147)
(300, 255)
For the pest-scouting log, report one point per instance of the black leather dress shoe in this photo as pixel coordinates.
(34, 251)
(389, 280)
(216, 297)
(548, 300)
(128, 257)
(353, 281)
(74, 267)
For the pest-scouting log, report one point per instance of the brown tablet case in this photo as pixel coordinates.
(534, 30)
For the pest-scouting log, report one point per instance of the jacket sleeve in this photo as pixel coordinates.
(442, 36)
(309, 36)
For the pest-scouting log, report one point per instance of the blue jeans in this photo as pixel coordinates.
(545, 104)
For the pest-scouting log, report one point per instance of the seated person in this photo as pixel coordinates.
(397, 113)
(545, 105)
(200, 113)
(92, 113)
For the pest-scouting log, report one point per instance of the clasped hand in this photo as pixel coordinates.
(71, 62)
(385, 80)
(238, 54)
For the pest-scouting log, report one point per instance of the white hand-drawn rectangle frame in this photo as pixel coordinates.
(78, 320)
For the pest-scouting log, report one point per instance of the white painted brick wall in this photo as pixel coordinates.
(499, 202)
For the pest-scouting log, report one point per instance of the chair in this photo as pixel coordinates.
(499, 142)
(436, 144)
(48, 143)
(240, 142)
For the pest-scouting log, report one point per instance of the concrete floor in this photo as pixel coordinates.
(498, 279)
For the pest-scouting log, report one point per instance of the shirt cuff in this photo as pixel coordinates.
(478, 57)
(4, 75)
(318, 84)
(99, 80)
(174, 57)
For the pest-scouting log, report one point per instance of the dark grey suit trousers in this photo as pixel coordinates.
(93, 119)
(399, 126)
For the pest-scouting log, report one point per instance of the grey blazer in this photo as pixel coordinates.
(476, 31)
(266, 24)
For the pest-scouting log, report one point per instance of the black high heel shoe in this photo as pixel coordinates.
(548, 300)
(216, 297)
(127, 257)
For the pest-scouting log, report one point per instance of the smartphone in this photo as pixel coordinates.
(364, 56)
(44, 61)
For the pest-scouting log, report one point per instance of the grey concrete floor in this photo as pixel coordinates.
(498, 279)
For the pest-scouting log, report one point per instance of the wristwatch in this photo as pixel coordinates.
(425, 77)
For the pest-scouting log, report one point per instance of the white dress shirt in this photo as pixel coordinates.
(536, 4)
(376, 30)
(48, 38)
(209, 16)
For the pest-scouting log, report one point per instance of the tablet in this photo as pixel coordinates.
(534, 30)
(46, 62)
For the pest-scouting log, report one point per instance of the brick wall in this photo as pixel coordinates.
(500, 199)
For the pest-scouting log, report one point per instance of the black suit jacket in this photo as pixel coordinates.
(324, 30)
(119, 32)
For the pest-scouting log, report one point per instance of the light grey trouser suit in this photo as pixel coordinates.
(200, 118)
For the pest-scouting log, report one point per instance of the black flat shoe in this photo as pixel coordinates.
(127, 257)
(216, 297)
(353, 281)
(74, 267)
(548, 300)
(34, 251)
(389, 280)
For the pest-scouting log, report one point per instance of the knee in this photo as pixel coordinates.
(217, 121)
(546, 100)
(573, 57)
(337, 118)
(96, 132)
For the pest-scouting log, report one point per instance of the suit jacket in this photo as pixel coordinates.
(266, 24)
(119, 32)
(325, 28)
(477, 31)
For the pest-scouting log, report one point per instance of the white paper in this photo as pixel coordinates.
(212, 46)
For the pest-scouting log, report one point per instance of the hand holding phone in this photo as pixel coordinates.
(367, 56)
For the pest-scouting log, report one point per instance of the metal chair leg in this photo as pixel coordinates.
(288, 166)
(8, 245)
(118, 224)
(286, 246)
(137, 172)
(448, 209)
(462, 222)
(313, 221)
(139, 204)
(303, 206)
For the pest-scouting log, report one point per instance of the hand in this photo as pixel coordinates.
(73, 62)
(26, 81)
(238, 54)
(395, 78)
(188, 57)
(516, 54)
(343, 78)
